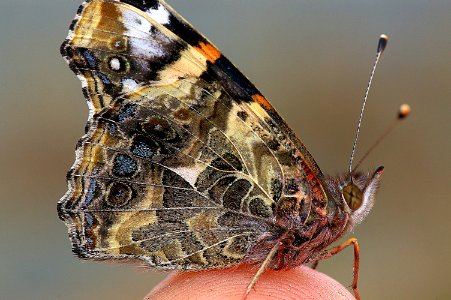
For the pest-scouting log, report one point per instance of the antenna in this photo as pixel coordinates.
(380, 48)
(404, 112)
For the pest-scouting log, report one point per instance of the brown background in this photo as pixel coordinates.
(312, 59)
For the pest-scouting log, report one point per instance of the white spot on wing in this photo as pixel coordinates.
(142, 41)
(84, 84)
(161, 14)
(136, 23)
(82, 78)
(129, 85)
(115, 64)
(189, 174)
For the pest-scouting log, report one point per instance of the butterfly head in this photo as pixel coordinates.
(358, 193)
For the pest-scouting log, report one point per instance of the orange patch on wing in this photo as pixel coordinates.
(262, 101)
(209, 51)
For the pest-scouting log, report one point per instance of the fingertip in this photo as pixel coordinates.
(296, 283)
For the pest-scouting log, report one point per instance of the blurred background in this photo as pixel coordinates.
(312, 60)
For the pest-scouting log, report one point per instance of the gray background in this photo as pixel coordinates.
(312, 60)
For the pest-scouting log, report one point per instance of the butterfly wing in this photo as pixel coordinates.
(184, 162)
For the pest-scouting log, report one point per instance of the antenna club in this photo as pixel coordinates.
(404, 111)
(383, 39)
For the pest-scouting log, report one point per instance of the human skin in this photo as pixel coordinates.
(297, 283)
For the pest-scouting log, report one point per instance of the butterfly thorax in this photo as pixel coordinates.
(310, 216)
(318, 214)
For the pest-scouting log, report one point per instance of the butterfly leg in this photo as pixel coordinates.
(314, 265)
(339, 248)
(262, 269)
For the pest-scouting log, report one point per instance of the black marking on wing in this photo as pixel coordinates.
(176, 23)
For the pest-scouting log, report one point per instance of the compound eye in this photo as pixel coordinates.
(353, 196)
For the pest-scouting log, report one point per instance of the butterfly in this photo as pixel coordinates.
(184, 163)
